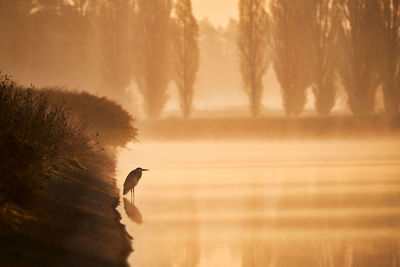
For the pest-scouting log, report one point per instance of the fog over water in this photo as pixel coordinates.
(270, 127)
(264, 203)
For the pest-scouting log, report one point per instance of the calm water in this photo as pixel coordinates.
(264, 204)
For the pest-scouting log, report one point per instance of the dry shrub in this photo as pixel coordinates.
(34, 136)
(107, 119)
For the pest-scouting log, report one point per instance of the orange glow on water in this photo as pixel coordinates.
(254, 204)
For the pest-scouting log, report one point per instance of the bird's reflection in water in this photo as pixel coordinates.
(132, 211)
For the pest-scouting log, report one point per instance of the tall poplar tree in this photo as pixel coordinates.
(151, 53)
(253, 40)
(186, 53)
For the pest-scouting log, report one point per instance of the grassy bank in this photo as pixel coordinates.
(270, 128)
(73, 224)
(57, 191)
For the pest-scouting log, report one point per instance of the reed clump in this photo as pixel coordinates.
(41, 130)
(112, 125)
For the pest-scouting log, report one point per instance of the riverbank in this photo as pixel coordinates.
(311, 127)
(58, 195)
(75, 222)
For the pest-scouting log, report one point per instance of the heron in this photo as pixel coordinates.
(132, 180)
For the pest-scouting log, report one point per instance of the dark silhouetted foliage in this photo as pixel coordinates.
(291, 51)
(19, 166)
(390, 71)
(37, 135)
(106, 118)
(34, 135)
(326, 18)
(362, 54)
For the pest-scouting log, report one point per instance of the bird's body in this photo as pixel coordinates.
(132, 180)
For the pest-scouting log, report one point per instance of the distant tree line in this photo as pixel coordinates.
(321, 44)
(108, 44)
(105, 45)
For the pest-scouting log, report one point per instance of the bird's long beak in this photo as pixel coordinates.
(145, 170)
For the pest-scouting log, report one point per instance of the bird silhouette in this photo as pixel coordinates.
(132, 180)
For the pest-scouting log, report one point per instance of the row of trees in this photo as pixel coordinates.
(104, 44)
(161, 42)
(108, 44)
(321, 44)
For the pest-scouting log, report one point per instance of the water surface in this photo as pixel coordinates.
(264, 203)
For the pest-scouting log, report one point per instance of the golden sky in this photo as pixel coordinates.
(218, 11)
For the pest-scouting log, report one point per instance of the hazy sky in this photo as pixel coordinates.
(218, 11)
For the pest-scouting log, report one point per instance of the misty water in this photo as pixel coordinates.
(264, 203)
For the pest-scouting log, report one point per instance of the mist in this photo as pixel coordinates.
(269, 130)
(95, 47)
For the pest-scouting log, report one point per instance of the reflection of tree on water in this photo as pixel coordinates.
(132, 211)
(189, 250)
(256, 249)
(285, 239)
